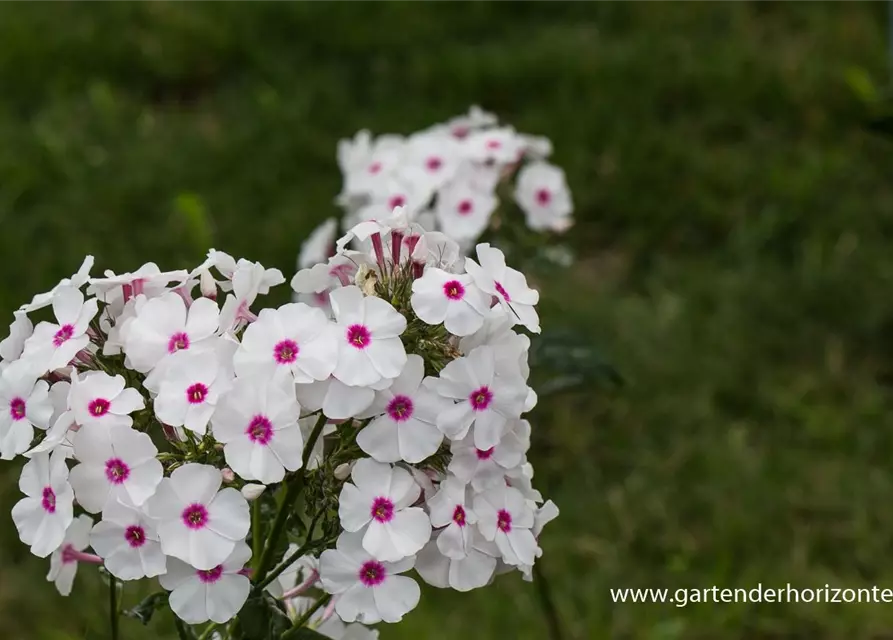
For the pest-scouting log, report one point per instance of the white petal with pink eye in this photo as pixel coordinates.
(378, 502)
(368, 590)
(367, 330)
(19, 331)
(216, 594)
(505, 518)
(64, 561)
(24, 405)
(127, 540)
(507, 285)
(115, 464)
(98, 398)
(542, 193)
(257, 421)
(191, 390)
(53, 345)
(463, 211)
(196, 523)
(295, 338)
(43, 515)
(451, 299)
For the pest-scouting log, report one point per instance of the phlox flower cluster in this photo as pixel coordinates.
(451, 178)
(317, 460)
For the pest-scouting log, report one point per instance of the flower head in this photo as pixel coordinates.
(127, 540)
(43, 515)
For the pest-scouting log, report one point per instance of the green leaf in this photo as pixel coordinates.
(262, 618)
(149, 605)
(305, 634)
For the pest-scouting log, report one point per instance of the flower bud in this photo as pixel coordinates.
(343, 470)
(252, 491)
(228, 475)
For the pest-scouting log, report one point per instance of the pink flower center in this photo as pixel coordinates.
(211, 575)
(434, 163)
(358, 336)
(98, 407)
(382, 510)
(116, 470)
(501, 290)
(260, 430)
(195, 516)
(374, 168)
(69, 554)
(465, 207)
(453, 290)
(196, 393)
(504, 521)
(322, 298)
(178, 342)
(543, 197)
(49, 500)
(372, 573)
(396, 201)
(286, 352)
(493, 144)
(400, 408)
(460, 132)
(17, 408)
(459, 515)
(63, 334)
(135, 536)
(481, 398)
(484, 454)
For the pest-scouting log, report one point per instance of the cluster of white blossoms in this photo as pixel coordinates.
(448, 178)
(305, 457)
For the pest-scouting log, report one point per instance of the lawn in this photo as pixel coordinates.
(734, 262)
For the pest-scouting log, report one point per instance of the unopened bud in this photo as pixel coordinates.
(343, 470)
(252, 491)
(227, 474)
(207, 284)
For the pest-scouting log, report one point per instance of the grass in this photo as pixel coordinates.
(734, 262)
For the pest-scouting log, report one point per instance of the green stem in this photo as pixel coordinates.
(292, 491)
(113, 606)
(290, 560)
(208, 631)
(257, 540)
(547, 603)
(302, 621)
(183, 632)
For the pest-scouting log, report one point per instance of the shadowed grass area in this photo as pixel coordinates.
(735, 262)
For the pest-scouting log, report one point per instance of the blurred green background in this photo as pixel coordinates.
(735, 262)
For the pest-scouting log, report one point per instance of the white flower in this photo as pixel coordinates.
(64, 563)
(541, 191)
(101, 399)
(127, 540)
(53, 345)
(449, 509)
(436, 249)
(378, 503)
(115, 464)
(295, 337)
(476, 118)
(257, 421)
(43, 516)
(431, 160)
(253, 491)
(366, 165)
(216, 594)
(369, 338)
(19, 331)
(24, 404)
(250, 279)
(462, 574)
(368, 590)
(505, 518)
(163, 326)
(334, 628)
(506, 284)
(197, 524)
(319, 245)
(543, 516)
(148, 280)
(452, 299)
(485, 468)
(486, 399)
(494, 146)
(511, 348)
(406, 428)
(463, 211)
(76, 281)
(190, 390)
